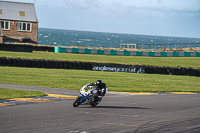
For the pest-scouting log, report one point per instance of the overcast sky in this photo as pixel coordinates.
(148, 17)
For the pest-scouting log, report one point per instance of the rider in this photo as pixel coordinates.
(101, 88)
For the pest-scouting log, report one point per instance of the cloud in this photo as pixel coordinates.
(175, 4)
(160, 17)
(126, 8)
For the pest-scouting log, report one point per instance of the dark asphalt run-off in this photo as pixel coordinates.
(117, 113)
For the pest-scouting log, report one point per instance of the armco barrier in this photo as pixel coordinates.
(39, 63)
(126, 53)
(30, 48)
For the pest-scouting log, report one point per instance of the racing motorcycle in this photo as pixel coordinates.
(87, 96)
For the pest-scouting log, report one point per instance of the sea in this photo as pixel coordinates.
(60, 37)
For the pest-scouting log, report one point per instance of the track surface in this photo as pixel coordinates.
(117, 113)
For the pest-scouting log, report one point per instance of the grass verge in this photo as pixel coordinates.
(9, 93)
(135, 60)
(116, 81)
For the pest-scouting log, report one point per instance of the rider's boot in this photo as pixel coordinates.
(99, 99)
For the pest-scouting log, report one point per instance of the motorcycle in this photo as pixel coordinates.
(87, 96)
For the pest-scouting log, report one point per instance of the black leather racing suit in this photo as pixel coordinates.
(101, 92)
(101, 89)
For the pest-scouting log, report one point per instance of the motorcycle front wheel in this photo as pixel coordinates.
(77, 101)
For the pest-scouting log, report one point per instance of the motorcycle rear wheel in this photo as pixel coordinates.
(77, 102)
(94, 104)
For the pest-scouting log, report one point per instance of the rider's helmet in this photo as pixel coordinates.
(98, 83)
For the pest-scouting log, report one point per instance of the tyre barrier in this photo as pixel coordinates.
(52, 64)
(16, 47)
(25, 48)
(43, 48)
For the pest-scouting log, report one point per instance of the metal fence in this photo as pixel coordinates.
(160, 46)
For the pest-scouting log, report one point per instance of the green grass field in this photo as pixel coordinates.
(116, 81)
(135, 60)
(8, 93)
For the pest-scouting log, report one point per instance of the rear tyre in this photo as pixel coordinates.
(77, 102)
(94, 104)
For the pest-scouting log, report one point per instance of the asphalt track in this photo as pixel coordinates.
(117, 113)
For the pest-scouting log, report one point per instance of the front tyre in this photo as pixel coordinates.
(77, 102)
